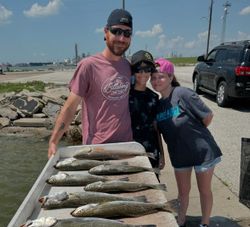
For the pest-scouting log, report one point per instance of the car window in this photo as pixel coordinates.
(211, 56)
(227, 56)
(248, 55)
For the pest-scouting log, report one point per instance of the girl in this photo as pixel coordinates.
(182, 118)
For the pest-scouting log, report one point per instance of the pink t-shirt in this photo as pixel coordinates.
(104, 87)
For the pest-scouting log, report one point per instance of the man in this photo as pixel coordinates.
(101, 82)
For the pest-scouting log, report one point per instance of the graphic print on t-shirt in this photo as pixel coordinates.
(116, 87)
(169, 113)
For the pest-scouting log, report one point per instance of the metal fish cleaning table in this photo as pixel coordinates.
(31, 208)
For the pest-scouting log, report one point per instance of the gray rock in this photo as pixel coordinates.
(39, 115)
(27, 105)
(6, 111)
(32, 122)
(51, 109)
(78, 117)
(4, 121)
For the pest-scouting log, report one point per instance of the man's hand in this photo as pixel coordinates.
(51, 150)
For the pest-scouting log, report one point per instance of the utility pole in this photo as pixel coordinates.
(76, 53)
(209, 25)
(224, 18)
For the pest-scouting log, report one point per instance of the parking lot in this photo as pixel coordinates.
(228, 127)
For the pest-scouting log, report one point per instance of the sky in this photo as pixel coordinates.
(47, 30)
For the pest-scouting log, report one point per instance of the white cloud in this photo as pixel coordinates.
(5, 14)
(161, 45)
(245, 11)
(168, 46)
(37, 10)
(202, 36)
(189, 45)
(156, 30)
(242, 36)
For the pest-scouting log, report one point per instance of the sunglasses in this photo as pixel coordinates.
(118, 31)
(144, 69)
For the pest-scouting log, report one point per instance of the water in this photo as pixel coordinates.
(21, 161)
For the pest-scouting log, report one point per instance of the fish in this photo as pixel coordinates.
(112, 169)
(78, 222)
(73, 164)
(122, 186)
(99, 153)
(120, 209)
(76, 179)
(64, 199)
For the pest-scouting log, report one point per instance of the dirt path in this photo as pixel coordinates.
(17, 75)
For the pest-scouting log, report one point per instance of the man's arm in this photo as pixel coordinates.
(63, 121)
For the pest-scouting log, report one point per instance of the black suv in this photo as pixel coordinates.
(225, 72)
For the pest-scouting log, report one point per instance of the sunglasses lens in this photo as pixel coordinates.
(145, 70)
(119, 31)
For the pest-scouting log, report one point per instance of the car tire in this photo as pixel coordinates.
(222, 98)
(196, 85)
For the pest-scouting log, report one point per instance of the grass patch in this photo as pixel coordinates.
(182, 61)
(18, 87)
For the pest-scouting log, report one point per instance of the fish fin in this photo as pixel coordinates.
(141, 198)
(162, 187)
(150, 155)
(167, 206)
(124, 179)
(156, 170)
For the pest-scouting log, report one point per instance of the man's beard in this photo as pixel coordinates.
(117, 50)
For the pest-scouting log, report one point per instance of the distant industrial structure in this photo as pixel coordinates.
(224, 18)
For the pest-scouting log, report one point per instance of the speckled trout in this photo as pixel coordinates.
(119, 209)
(111, 169)
(72, 164)
(78, 222)
(76, 179)
(75, 199)
(122, 186)
(98, 153)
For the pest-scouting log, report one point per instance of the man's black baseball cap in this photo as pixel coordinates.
(120, 17)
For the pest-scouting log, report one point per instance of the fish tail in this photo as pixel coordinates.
(162, 187)
(150, 155)
(168, 207)
(141, 198)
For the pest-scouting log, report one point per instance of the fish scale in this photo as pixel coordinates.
(75, 199)
(76, 179)
(79, 222)
(116, 209)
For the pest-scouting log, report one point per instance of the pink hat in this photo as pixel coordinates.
(165, 66)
